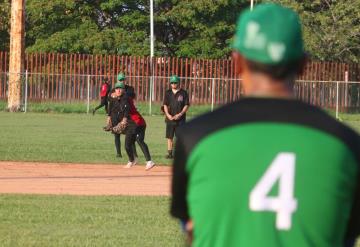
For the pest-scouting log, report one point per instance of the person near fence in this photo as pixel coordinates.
(175, 106)
(122, 110)
(104, 93)
(130, 92)
(267, 165)
(139, 136)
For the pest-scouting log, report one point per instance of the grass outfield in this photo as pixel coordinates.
(74, 138)
(79, 138)
(87, 221)
(84, 221)
(81, 107)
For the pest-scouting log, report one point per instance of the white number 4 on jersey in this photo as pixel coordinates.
(282, 168)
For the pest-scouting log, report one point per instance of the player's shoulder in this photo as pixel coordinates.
(266, 110)
(168, 92)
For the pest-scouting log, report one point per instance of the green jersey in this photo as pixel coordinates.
(268, 172)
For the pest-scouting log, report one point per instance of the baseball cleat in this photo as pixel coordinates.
(131, 163)
(149, 164)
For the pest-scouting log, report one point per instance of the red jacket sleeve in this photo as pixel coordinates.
(135, 115)
(103, 91)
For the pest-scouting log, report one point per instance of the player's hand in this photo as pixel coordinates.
(124, 121)
(189, 228)
(177, 116)
(108, 120)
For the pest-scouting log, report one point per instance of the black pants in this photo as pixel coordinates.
(103, 102)
(139, 137)
(171, 128)
(117, 146)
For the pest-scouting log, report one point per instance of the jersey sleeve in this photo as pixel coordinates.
(166, 99)
(104, 89)
(186, 99)
(179, 207)
(111, 104)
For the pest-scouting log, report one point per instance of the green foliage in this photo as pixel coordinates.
(331, 28)
(87, 221)
(196, 28)
(93, 27)
(183, 28)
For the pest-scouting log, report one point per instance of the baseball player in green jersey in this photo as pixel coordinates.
(278, 172)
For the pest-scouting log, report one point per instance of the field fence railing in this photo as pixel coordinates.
(342, 96)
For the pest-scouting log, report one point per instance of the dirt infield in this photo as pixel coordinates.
(82, 179)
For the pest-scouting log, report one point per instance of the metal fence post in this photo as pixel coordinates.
(88, 95)
(346, 88)
(26, 90)
(151, 93)
(337, 100)
(212, 94)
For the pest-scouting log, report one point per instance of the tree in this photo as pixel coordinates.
(4, 24)
(184, 28)
(16, 64)
(331, 28)
(196, 28)
(191, 28)
(113, 26)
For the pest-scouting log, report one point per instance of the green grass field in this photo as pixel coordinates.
(74, 138)
(87, 221)
(33, 220)
(79, 138)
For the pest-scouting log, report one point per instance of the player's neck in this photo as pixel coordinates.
(258, 85)
(175, 90)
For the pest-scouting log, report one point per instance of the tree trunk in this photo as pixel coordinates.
(16, 64)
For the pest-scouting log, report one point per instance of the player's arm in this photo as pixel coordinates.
(166, 107)
(167, 114)
(185, 108)
(187, 104)
(110, 106)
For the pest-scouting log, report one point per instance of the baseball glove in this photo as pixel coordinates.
(120, 128)
(108, 126)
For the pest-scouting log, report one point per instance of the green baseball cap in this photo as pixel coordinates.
(174, 79)
(270, 34)
(121, 77)
(120, 85)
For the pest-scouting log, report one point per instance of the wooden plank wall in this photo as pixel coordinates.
(65, 77)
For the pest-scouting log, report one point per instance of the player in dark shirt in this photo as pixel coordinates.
(119, 111)
(176, 104)
(130, 93)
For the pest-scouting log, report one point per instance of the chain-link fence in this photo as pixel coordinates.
(341, 96)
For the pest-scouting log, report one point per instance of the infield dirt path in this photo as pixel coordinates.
(82, 179)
